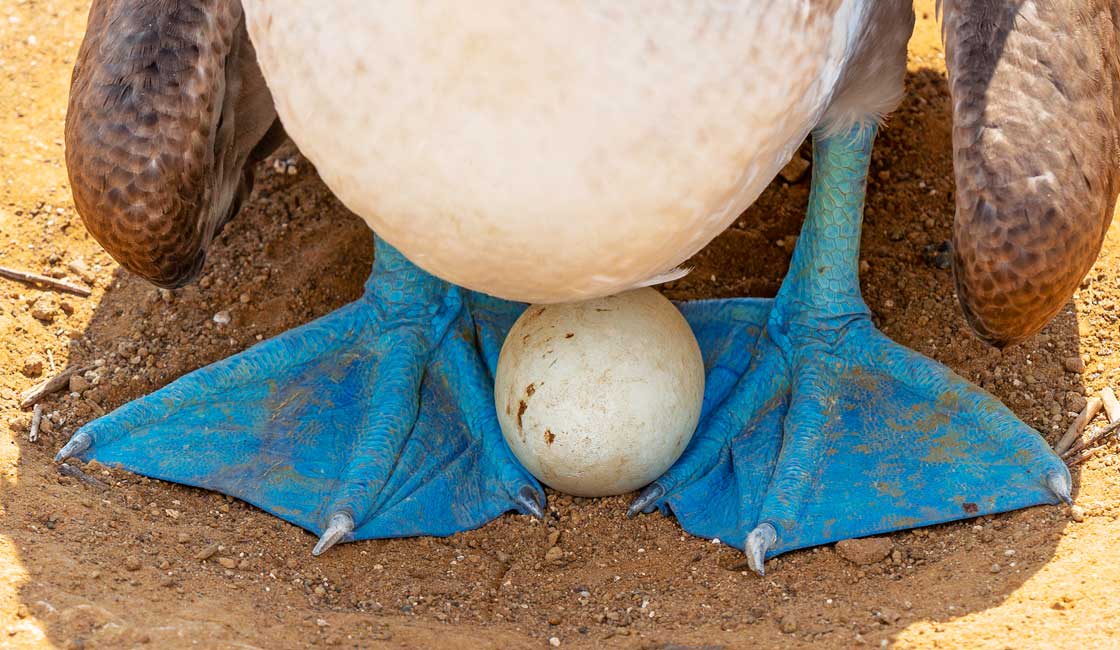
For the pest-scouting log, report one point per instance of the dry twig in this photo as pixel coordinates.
(1081, 458)
(1093, 437)
(36, 421)
(1111, 404)
(40, 390)
(1092, 407)
(35, 278)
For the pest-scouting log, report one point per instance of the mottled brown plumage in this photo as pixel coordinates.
(1036, 123)
(167, 105)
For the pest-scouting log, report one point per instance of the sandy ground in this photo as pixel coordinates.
(82, 567)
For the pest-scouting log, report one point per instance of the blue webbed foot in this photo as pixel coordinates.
(376, 420)
(816, 427)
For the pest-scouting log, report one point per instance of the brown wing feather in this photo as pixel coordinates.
(1036, 104)
(153, 150)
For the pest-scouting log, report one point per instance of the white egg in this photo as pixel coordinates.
(600, 397)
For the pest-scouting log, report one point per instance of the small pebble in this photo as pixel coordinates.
(553, 554)
(1077, 513)
(788, 624)
(43, 310)
(33, 365)
(222, 317)
(78, 384)
(132, 563)
(994, 568)
(79, 268)
(227, 562)
(795, 169)
(20, 422)
(206, 553)
(1073, 364)
(868, 550)
(554, 642)
(939, 255)
(1063, 602)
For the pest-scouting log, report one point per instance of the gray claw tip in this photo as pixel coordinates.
(530, 501)
(1059, 484)
(646, 500)
(78, 443)
(340, 526)
(759, 541)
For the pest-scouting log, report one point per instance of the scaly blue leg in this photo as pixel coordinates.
(376, 420)
(816, 427)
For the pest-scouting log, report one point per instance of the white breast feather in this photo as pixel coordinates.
(548, 152)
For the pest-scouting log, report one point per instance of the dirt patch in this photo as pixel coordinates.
(146, 563)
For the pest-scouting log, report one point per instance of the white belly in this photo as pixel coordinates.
(548, 152)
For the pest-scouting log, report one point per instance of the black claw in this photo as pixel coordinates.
(530, 501)
(646, 501)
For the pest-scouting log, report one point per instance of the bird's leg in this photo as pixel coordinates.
(817, 427)
(376, 420)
